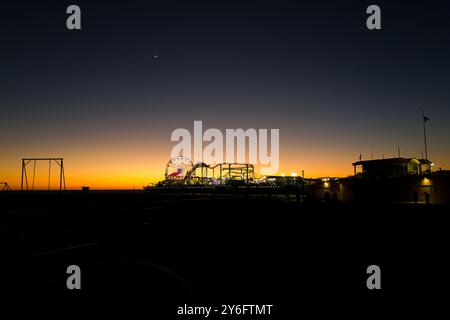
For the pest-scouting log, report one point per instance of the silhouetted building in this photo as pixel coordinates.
(392, 167)
(396, 179)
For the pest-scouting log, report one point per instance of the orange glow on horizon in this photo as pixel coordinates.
(123, 174)
(133, 162)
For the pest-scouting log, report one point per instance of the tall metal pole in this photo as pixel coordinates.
(34, 173)
(24, 172)
(424, 120)
(63, 175)
(60, 174)
(425, 139)
(21, 181)
(49, 172)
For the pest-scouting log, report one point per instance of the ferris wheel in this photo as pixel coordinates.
(178, 167)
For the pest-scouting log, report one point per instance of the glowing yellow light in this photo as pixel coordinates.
(294, 174)
(282, 174)
(326, 184)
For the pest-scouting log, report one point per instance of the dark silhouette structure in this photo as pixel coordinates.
(392, 167)
(181, 171)
(5, 186)
(58, 161)
(424, 120)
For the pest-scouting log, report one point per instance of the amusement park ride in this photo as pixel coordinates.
(181, 171)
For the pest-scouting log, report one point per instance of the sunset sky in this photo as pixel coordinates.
(99, 98)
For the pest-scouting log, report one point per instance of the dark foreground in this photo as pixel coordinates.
(161, 251)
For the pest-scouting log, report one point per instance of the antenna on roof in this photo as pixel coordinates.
(398, 150)
(371, 152)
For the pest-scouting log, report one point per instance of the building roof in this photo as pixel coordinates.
(391, 161)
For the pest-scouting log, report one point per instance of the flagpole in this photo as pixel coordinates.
(424, 120)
